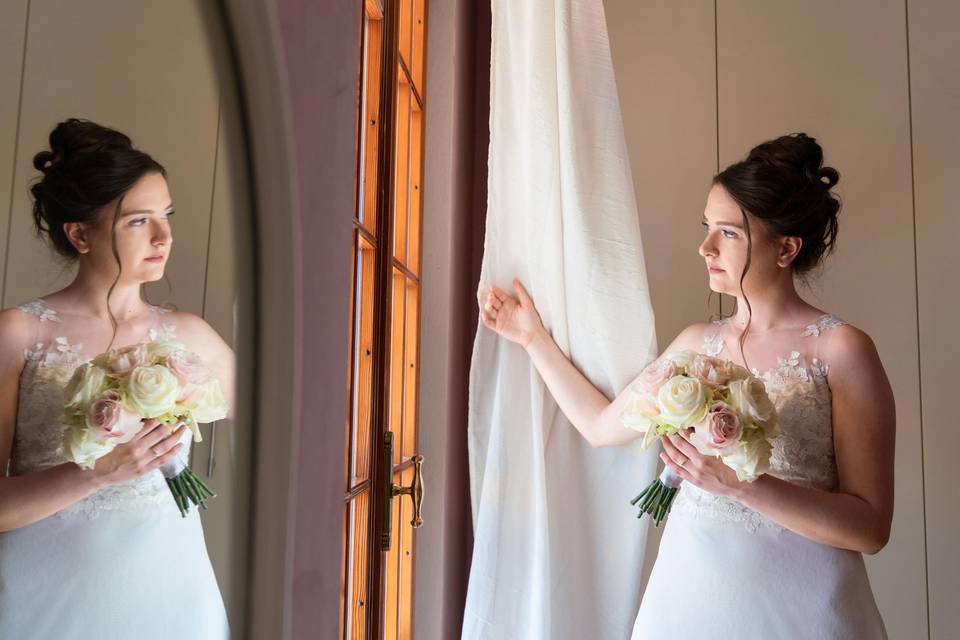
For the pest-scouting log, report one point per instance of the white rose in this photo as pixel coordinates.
(160, 349)
(85, 385)
(682, 402)
(749, 397)
(84, 450)
(152, 390)
(750, 459)
(681, 359)
(205, 401)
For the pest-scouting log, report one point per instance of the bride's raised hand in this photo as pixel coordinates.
(513, 317)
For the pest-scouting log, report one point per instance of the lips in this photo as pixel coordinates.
(714, 269)
(155, 258)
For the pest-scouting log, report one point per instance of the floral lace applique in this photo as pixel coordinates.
(164, 332)
(713, 341)
(38, 308)
(825, 322)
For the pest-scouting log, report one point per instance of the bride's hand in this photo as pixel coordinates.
(704, 472)
(514, 318)
(154, 445)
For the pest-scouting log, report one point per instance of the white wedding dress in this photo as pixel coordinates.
(725, 571)
(120, 564)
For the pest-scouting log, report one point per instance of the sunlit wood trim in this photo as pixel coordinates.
(409, 274)
(374, 9)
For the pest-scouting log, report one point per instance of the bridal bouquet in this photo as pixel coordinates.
(108, 397)
(728, 409)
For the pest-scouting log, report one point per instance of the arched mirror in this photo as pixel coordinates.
(160, 73)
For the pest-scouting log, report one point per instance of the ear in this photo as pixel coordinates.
(78, 235)
(789, 249)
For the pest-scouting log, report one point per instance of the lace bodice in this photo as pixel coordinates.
(48, 365)
(803, 452)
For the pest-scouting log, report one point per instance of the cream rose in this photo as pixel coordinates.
(682, 401)
(84, 450)
(85, 385)
(749, 459)
(719, 431)
(160, 349)
(152, 390)
(749, 398)
(681, 359)
(205, 401)
(108, 418)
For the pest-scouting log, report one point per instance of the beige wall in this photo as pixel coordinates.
(701, 83)
(160, 73)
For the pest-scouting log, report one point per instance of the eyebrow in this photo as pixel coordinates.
(725, 224)
(141, 211)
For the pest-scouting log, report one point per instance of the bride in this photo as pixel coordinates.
(100, 553)
(780, 557)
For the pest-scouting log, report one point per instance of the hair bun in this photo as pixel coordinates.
(74, 137)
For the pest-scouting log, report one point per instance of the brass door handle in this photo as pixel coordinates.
(415, 491)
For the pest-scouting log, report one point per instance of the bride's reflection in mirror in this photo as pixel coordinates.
(127, 199)
(86, 506)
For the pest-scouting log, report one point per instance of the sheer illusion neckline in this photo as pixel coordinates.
(68, 351)
(714, 345)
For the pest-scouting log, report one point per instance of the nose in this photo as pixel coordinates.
(707, 248)
(161, 234)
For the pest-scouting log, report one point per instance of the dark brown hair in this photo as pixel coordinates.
(783, 184)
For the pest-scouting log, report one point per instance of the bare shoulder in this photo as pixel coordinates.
(851, 355)
(17, 330)
(693, 336)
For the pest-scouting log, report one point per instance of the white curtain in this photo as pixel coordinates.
(558, 550)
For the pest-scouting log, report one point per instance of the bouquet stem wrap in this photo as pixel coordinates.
(657, 498)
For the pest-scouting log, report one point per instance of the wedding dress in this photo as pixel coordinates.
(725, 571)
(120, 564)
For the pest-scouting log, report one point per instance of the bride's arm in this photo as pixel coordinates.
(858, 514)
(31, 497)
(590, 411)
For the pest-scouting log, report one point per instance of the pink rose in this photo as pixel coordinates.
(654, 376)
(187, 367)
(108, 418)
(719, 431)
(122, 361)
(710, 371)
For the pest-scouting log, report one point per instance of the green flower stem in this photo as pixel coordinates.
(187, 488)
(656, 501)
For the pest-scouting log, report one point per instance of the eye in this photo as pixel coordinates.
(729, 234)
(136, 222)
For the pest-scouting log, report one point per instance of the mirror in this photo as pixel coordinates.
(161, 74)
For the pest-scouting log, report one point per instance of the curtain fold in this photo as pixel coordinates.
(558, 551)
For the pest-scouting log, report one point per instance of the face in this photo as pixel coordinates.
(725, 248)
(143, 233)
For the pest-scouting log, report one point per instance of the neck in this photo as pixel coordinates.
(778, 306)
(87, 295)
